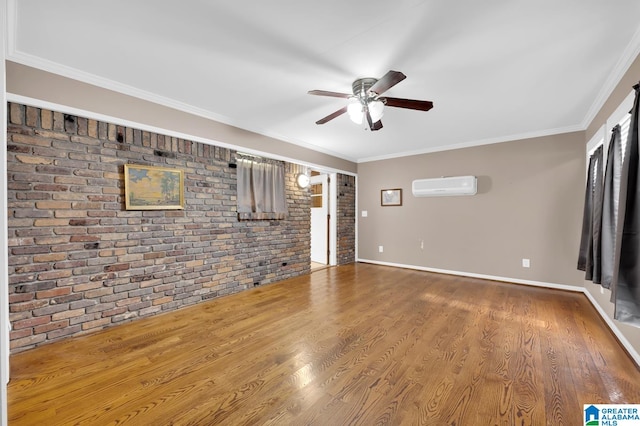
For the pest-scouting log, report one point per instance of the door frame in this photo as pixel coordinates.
(320, 220)
(4, 245)
(332, 199)
(333, 218)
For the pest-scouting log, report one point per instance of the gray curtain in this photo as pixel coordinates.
(625, 288)
(261, 189)
(589, 255)
(610, 207)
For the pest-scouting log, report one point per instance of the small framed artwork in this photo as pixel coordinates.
(391, 197)
(153, 188)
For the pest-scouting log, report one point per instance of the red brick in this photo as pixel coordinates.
(28, 306)
(67, 314)
(20, 297)
(26, 342)
(127, 302)
(51, 240)
(50, 223)
(115, 311)
(72, 214)
(53, 205)
(67, 331)
(38, 267)
(31, 322)
(92, 128)
(117, 267)
(155, 255)
(112, 252)
(33, 160)
(32, 115)
(18, 334)
(163, 300)
(86, 206)
(91, 294)
(59, 291)
(50, 326)
(16, 113)
(52, 275)
(97, 323)
(70, 180)
(49, 257)
(84, 238)
(87, 286)
(46, 119)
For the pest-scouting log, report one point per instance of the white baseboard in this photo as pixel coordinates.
(610, 322)
(614, 329)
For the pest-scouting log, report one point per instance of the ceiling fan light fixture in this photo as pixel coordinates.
(355, 111)
(376, 109)
(366, 100)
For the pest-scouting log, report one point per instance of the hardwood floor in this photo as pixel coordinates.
(356, 344)
(315, 266)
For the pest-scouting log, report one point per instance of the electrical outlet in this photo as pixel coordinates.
(364, 213)
(380, 249)
(526, 263)
(421, 244)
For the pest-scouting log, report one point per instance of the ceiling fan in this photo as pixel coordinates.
(366, 101)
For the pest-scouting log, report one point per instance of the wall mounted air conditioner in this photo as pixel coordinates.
(445, 186)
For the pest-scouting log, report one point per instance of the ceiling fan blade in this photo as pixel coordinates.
(389, 80)
(408, 103)
(332, 116)
(327, 93)
(373, 126)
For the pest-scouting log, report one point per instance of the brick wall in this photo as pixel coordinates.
(80, 262)
(346, 219)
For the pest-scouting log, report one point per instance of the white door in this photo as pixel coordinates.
(320, 219)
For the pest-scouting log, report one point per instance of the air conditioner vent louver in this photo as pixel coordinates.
(445, 186)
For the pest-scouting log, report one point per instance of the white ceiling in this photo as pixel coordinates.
(496, 70)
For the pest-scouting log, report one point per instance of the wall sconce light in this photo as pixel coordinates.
(303, 180)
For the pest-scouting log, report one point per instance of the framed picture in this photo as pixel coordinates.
(391, 197)
(153, 188)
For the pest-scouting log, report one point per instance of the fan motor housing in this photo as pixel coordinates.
(362, 85)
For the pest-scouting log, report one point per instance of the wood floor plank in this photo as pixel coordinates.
(352, 345)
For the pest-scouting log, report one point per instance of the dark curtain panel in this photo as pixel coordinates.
(589, 256)
(610, 206)
(626, 282)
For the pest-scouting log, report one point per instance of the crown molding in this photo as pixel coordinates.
(94, 80)
(481, 142)
(628, 56)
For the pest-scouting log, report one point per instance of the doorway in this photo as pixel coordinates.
(323, 214)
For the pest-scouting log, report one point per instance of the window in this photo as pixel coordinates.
(605, 152)
(609, 246)
(261, 189)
